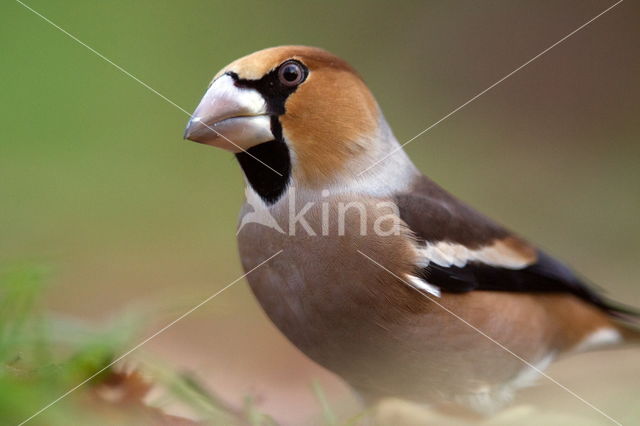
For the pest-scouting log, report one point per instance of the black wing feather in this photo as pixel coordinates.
(434, 215)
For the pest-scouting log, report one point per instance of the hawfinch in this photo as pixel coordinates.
(373, 270)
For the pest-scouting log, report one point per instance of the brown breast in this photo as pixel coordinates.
(384, 337)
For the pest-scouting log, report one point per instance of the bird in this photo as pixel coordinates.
(374, 271)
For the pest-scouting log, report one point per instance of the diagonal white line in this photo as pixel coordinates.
(524, 361)
(162, 330)
(145, 85)
(490, 87)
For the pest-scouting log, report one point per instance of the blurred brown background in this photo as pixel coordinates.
(96, 180)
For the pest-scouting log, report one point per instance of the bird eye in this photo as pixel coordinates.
(291, 73)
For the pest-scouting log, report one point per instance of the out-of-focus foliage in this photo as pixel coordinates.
(42, 357)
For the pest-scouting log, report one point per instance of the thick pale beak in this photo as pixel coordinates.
(229, 117)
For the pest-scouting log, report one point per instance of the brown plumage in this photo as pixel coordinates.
(414, 313)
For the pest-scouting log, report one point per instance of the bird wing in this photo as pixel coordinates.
(461, 250)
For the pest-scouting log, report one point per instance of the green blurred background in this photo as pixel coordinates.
(96, 180)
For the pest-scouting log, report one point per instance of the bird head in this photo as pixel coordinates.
(294, 111)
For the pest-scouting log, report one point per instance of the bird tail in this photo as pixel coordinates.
(627, 320)
(630, 331)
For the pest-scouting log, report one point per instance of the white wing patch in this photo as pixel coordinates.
(450, 254)
(499, 254)
(421, 284)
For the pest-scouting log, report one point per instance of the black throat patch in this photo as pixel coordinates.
(268, 184)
